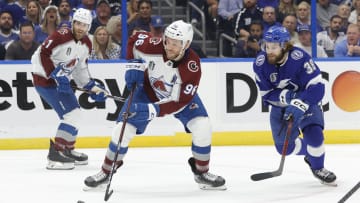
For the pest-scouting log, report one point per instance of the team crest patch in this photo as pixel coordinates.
(296, 55)
(192, 66)
(260, 60)
(155, 40)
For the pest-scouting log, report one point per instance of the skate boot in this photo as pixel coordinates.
(207, 181)
(57, 160)
(80, 158)
(97, 181)
(325, 176)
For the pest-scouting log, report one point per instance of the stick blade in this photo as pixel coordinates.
(108, 195)
(263, 176)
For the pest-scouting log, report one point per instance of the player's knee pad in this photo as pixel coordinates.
(72, 118)
(201, 131)
(129, 133)
(314, 137)
(296, 147)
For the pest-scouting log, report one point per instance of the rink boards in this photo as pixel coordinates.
(227, 89)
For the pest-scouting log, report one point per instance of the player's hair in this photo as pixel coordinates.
(111, 26)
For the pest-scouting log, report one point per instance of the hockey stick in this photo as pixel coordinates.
(278, 172)
(109, 192)
(348, 194)
(121, 99)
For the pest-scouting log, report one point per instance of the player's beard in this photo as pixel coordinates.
(275, 59)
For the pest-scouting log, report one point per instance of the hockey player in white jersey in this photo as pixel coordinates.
(62, 56)
(166, 84)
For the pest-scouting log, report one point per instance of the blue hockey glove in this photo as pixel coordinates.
(143, 111)
(296, 110)
(134, 73)
(59, 74)
(98, 92)
(286, 96)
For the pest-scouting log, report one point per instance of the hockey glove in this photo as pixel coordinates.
(60, 75)
(143, 111)
(134, 73)
(286, 96)
(296, 110)
(98, 92)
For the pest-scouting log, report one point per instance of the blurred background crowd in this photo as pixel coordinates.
(223, 28)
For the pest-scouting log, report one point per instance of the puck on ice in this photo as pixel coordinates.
(79, 201)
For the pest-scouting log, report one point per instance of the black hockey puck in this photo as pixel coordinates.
(79, 201)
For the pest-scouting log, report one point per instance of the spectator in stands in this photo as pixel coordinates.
(103, 14)
(114, 29)
(132, 10)
(33, 12)
(144, 20)
(103, 46)
(227, 10)
(355, 12)
(286, 7)
(17, 11)
(89, 5)
(324, 11)
(290, 24)
(44, 3)
(331, 35)
(50, 23)
(7, 34)
(23, 48)
(264, 3)
(358, 20)
(212, 8)
(269, 18)
(251, 47)
(344, 12)
(349, 47)
(65, 11)
(303, 13)
(304, 33)
(157, 26)
(249, 13)
(115, 7)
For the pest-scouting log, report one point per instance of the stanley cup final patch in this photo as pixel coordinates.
(192, 66)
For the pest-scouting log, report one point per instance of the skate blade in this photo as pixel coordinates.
(54, 165)
(208, 187)
(333, 184)
(99, 188)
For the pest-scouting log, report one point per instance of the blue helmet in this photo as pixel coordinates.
(277, 34)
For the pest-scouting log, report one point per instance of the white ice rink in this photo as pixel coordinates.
(162, 175)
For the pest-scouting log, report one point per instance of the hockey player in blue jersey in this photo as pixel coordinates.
(291, 83)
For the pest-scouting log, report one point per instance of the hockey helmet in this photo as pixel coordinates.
(277, 34)
(82, 15)
(180, 30)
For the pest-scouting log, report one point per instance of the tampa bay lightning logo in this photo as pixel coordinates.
(296, 55)
(260, 60)
(162, 88)
(273, 77)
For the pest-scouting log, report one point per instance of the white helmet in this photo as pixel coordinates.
(82, 15)
(180, 30)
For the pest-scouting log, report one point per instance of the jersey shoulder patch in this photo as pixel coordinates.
(296, 54)
(260, 59)
(193, 66)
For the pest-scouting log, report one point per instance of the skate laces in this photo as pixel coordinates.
(323, 172)
(99, 176)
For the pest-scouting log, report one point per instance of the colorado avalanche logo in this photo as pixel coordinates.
(161, 88)
(260, 60)
(193, 67)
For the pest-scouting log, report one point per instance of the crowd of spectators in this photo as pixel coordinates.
(25, 24)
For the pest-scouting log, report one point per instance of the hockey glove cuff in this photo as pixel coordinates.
(296, 110)
(134, 73)
(59, 74)
(98, 92)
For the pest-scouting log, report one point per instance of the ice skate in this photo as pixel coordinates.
(80, 158)
(97, 181)
(207, 181)
(325, 176)
(57, 160)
